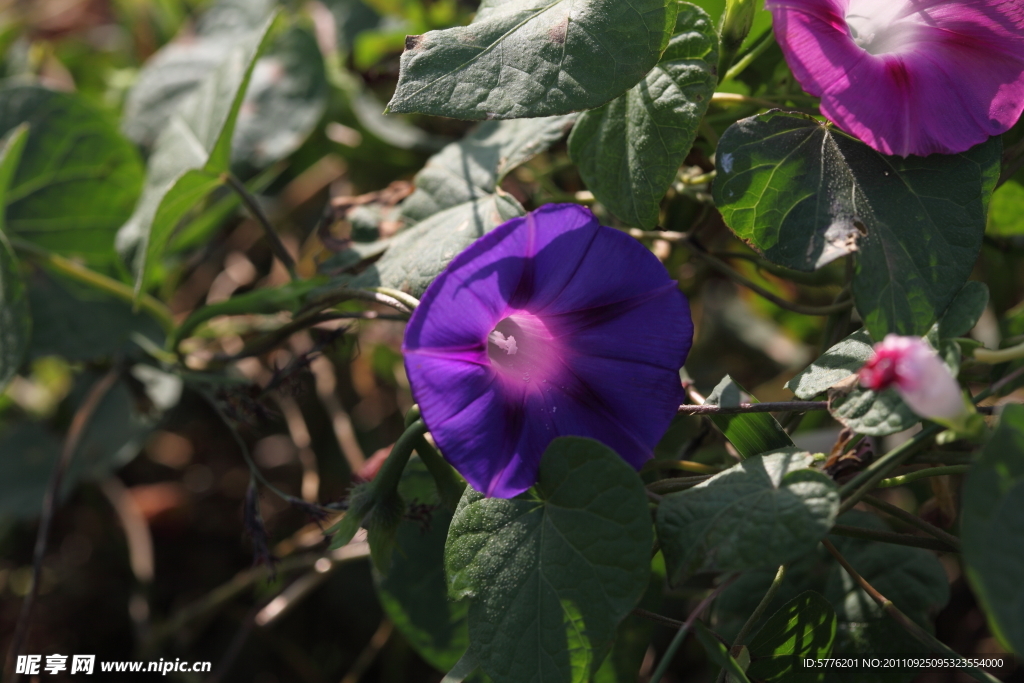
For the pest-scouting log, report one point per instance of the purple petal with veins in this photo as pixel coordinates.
(550, 325)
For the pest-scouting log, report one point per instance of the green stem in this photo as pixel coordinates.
(866, 480)
(677, 640)
(997, 388)
(747, 59)
(412, 415)
(944, 458)
(254, 206)
(999, 356)
(892, 537)
(816, 279)
(842, 301)
(769, 407)
(923, 474)
(449, 486)
(664, 486)
(684, 465)
(407, 299)
(736, 98)
(78, 272)
(269, 341)
(657, 618)
(913, 520)
(902, 619)
(380, 494)
(773, 589)
(390, 472)
(333, 297)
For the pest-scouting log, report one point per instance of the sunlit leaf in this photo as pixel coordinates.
(718, 652)
(805, 193)
(629, 151)
(551, 573)
(884, 412)
(762, 512)
(524, 58)
(803, 628)
(964, 311)
(286, 98)
(750, 433)
(1006, 215)
(473, 168)
(78, 178)
(911, 577)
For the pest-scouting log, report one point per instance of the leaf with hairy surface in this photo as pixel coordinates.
(474, 167)
(765, 511)
(526, 58)
(550, 574)
(629, 151)
(805, 194)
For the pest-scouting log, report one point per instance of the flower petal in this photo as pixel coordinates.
(453, 317)
(956, 79)
(476, 424)
(617, 268)
(815, 41)
(654, 328)
(533, 257)
(627, 405)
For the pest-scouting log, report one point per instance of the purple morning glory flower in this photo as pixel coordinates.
(550, 325)
(909, 76)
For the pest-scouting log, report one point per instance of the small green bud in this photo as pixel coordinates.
(736, 23)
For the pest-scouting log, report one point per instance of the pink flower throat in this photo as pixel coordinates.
(522, 349)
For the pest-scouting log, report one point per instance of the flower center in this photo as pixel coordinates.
(881, 26)
(521, 348)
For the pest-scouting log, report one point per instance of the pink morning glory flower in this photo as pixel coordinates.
(909, 76)
(550, 325)
(920, 377)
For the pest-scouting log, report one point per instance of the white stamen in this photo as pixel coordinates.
(508, 345)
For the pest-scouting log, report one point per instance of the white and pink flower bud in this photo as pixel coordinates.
(917, 373)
